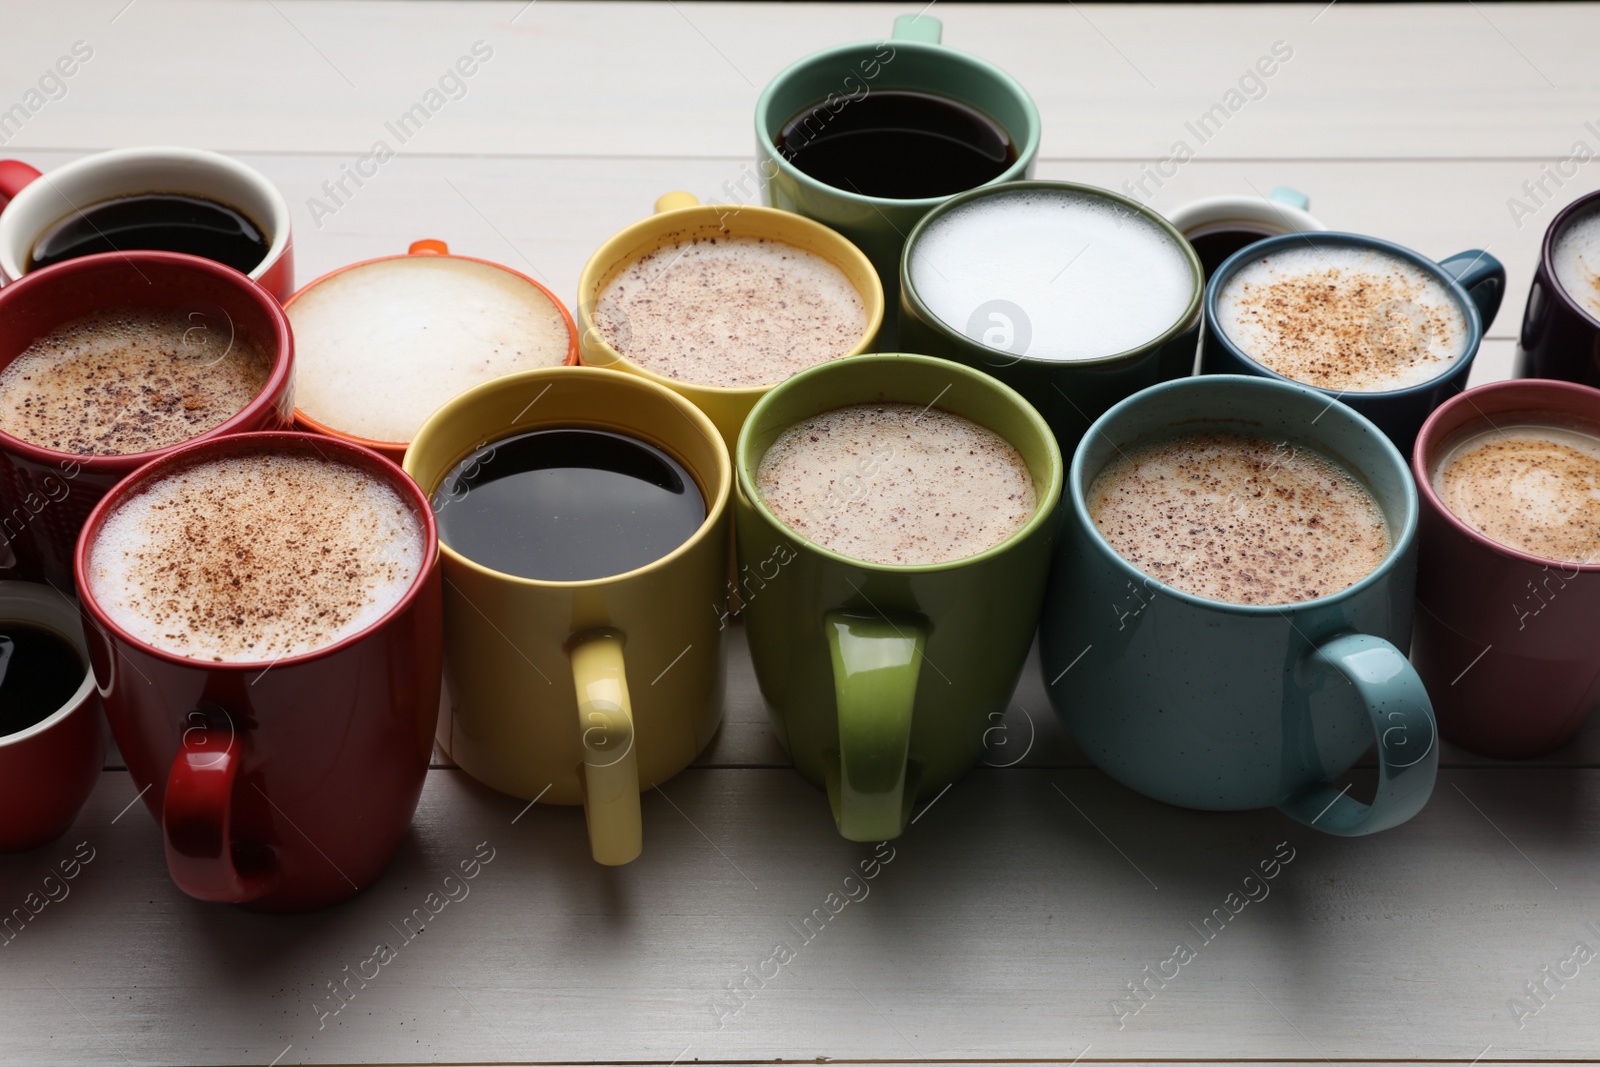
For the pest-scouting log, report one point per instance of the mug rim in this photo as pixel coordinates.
(13, 268)
(1234, 263)
(1547, 249)
(271, 442)
(600, 376)
(1025, 152)
(1402, 544)
(392, 448)
(1228, 207)
(48, 599)
(280, 376)
(1044, 508)
(1191, 311)
(648, 226)
(1431, 437)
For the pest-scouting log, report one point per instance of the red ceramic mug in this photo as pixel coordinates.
(48, 769)
(33, 202)
(46, 495)
(286, 785)
(1504, 641)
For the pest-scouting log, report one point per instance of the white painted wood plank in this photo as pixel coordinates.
(1463, 81)
(1005, 925)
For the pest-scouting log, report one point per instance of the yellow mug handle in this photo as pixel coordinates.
(673, 201)
(610, 764)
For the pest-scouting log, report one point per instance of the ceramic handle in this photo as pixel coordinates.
(917, 28)
(14, 175)
(610, 762)
(1484, 279)
(197, 813)
(875, 667)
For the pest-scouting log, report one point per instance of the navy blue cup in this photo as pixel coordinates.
(1476, 278)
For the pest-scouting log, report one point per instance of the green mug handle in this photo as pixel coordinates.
(923, 28)
(1408, 740)
(875, 668)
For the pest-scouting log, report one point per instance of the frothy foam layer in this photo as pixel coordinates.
(897, 483)
(1532, 486)
(1576, 258)
(379, 347)
(1239, 518)
(730, 311)
(1052, 275)
(129, 380)
(1343, 318)
(251, 558)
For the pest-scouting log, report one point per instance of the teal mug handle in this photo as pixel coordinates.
(875, 668)
(923, 28)
(1291, 197)
(1408, 740)
(1484, 279)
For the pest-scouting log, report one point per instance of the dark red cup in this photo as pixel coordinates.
(1505, 642)
(46, 495)
(288, 785)
(1559, 339)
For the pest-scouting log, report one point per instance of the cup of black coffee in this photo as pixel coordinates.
(52, 732)
(867, 137)
(154, 199)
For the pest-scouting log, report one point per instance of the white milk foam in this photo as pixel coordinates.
(1576, 257)
(381, 346)
(1092, 277)
(251, 558)
(1343, 318)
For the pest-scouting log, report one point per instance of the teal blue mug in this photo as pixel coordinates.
(1222, 706)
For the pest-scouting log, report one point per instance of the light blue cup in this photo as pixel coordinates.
(1221, 706)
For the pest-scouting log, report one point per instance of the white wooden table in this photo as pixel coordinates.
(1020, 904)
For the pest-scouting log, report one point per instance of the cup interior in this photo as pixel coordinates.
(573, 397)
(41, 606)
(913, 379)
(1577, 282)
(219, 301)
(132, 171)
(1261, 407)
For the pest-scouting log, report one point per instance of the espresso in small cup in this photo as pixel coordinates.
(1343, 317)
(254, 557)
(1529, 483)
(1576, 258)
(129, 380)
(40, 672)
(730, 311)
(897, 483)
(1239, 518)
(158, 222)
(1087, 276)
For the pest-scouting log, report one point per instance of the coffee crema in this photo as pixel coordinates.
(379, 346)
(1239, 518)
(1529, 484)
(130, 380)
(1576, 258)
(897, 483)
(734, 312)
(1343, 318)
(254, 557)
(1084, 276)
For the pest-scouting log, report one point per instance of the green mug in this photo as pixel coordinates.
(882, 678)
(914, 59)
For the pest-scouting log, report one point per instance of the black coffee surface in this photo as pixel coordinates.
(899, 144)
(1214, 248)
(567, 505)
(39, 672)
(157, 222)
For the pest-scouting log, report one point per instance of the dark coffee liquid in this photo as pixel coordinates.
(39, 672)
(159, 222)
(567, 505)
(1215, 247)
(899, 144)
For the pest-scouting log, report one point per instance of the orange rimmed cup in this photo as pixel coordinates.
(678, 217)
(390, 299)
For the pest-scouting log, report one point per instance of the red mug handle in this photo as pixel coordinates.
(14, 174)
(197, 814)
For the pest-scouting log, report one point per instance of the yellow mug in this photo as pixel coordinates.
(582, 692)
(678, 217)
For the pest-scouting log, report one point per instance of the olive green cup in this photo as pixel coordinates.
(882, 678)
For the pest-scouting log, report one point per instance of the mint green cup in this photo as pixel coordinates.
(912, 58)
(882, 678)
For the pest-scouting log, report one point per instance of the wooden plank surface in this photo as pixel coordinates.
(1019, 905)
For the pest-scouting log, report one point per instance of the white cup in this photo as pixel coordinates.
(1281, 211)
